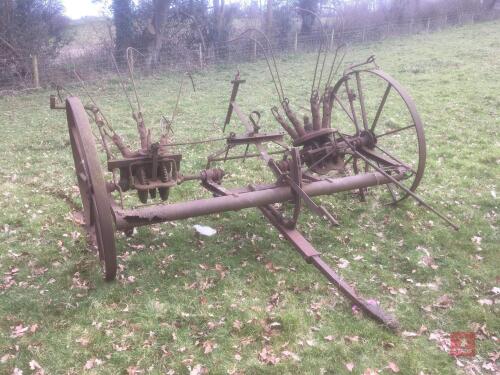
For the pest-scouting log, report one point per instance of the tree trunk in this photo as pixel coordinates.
(157, 25)
(218, 27)
(269, 18)
(122, 17)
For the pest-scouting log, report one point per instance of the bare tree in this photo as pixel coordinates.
(156, 29)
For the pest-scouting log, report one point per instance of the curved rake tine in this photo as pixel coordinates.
(276, 80)
(272, 57)
(141, 127)
(320, 50)
(174, 113)
(338, 65)
(328, 81)
(85, 89)
(129, 53)
(122, 84)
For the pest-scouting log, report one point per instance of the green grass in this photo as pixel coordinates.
(161, 320)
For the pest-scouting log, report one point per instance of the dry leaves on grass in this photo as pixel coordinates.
(343, 263)
(273, 302)
(268, 357)
(36, 368)
(349, 366)
(134, 370)
(444, 302)
(289, 354)
(83, 341)
(393, 367)
(92, 363)
(20, 330)
(209, 346)
(198, 370)
(6, 357)
(237, 325)
(351, 339)
(272, 268)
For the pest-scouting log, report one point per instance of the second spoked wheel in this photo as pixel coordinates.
(95, 201)
(370, 100)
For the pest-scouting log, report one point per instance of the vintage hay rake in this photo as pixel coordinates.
(321, 160)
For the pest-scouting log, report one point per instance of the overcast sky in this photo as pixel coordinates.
(80, 8)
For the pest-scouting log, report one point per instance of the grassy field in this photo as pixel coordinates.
(243, 302)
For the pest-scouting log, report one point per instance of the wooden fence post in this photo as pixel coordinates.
(363, 35)
(332, 38)
(255, 50)
(34, 71)
(132, 63)
(428, 24)
(201, 56)
(295, 42)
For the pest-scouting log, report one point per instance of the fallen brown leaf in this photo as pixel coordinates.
(208, 346)
(268, 357)
(198, 370)
(393, 367)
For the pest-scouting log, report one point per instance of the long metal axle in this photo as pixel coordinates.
(127, 219)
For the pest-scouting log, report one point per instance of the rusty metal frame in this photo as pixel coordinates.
(300, 175)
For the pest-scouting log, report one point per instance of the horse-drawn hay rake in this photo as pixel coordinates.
(321, 159)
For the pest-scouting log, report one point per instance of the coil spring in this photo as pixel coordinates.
(143, 194)
(164, 176)
(164, 173)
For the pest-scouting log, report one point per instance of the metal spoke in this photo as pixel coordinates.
(319, 161)
(361, 101)
(395, 131)
(381, 106)
(401, 186)
(393, 195)
(344, 108)
(396, 159)
(389, 188)
(351, 104)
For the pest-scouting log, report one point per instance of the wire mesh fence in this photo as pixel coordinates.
(99, 62)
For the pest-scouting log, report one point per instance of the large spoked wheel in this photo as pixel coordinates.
(95, 200)
(372, 101)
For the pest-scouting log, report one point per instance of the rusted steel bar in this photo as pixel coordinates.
(315, 104)
(142, 130)
(327, 109)
(291, 132)
(124, 149)
(236, 84)
(247, 156)
(294, 120)
(371, 309)
(126, 219)
(309, 253)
